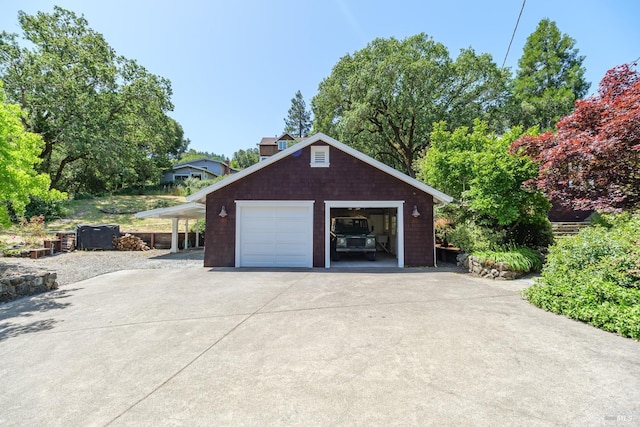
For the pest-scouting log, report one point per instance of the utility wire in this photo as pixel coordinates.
(514, 33)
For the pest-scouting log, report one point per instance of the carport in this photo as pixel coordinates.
(187, 211)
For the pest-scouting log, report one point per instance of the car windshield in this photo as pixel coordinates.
(351, 226)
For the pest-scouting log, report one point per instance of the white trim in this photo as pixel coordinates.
(324, 149)
(394, 204)
(273, 203)
(438, 196)
(185, 210)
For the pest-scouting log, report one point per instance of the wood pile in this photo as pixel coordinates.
(68, 241)
(129, 242)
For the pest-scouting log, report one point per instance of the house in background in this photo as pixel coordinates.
(269, 146)
(201, 169)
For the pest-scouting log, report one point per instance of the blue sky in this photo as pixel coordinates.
(235, 65)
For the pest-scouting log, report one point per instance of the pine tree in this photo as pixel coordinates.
(550, 78)
(298, 122)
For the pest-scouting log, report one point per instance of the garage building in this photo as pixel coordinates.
(277, 213)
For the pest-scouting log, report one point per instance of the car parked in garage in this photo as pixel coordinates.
(352, 235)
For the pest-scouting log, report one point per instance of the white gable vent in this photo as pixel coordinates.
(319, 156)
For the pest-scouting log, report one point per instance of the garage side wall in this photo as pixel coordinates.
(292, 178)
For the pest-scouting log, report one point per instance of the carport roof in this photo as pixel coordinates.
(438, 196)
(191, 210)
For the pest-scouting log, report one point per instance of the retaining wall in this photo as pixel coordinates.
(26, 284)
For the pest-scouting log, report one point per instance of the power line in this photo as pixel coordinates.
(514, 33)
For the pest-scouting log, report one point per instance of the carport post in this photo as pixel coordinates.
(186, 233)
(174, 235)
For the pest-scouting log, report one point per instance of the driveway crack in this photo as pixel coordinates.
(202, 353)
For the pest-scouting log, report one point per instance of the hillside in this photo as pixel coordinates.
(116, 210)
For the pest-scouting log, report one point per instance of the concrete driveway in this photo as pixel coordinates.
(410, 347)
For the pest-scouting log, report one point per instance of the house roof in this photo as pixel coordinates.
(201, 195)
(268, 140)
(187, 210)
(198, 160)
(190, 166)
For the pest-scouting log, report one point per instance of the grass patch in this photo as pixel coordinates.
(521, 260)
(116, 210)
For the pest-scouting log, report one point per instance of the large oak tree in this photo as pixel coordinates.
(103, 117)
(384, 98)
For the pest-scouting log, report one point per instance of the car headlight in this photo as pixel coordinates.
(342, 241)
(371, 242)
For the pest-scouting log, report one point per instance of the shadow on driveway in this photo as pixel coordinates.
(14, 314)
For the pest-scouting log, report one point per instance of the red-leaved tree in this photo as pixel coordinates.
(592, 161)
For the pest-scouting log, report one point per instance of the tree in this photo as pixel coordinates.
(550, 78)
(592, 161)
(477, 169)
(244, 158)
(18, 155)
(298, 121)
(192, 154)
(102, 116)
(384, 99)
(494, 209)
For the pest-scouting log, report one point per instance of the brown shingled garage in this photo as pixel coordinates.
(277, 213)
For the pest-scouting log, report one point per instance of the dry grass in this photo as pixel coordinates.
(116, 210)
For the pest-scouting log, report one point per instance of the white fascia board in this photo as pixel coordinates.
(191, 210)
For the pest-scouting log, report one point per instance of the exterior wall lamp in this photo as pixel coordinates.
(415, 212)
(223, 212)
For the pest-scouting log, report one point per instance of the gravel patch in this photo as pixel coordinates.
(81, 265)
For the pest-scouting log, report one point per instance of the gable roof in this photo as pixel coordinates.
(268, 140)
(199, 160)
(176, 168)
(201, 195)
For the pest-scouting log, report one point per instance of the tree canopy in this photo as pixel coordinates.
(384, 98)
(192, 154)
(18, 156)
(476, 168)
(103, 117)
(549, 79)
(592, 161)
(298, 120)
(244, 158)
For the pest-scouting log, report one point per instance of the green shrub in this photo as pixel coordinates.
(470, 237)
(537, 233)
(50, 209)
(595, 276)
(198, 227)
(519, 259)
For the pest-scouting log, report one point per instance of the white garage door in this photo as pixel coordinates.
(274, 234)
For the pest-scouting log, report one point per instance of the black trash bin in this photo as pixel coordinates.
(94, 237)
